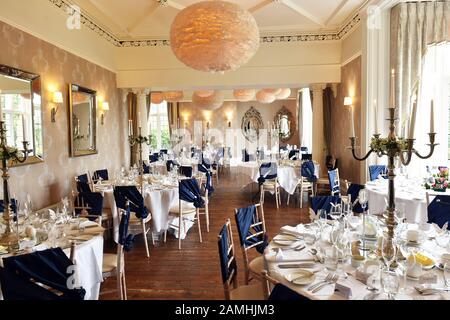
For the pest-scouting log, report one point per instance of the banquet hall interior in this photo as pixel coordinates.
(211, 150)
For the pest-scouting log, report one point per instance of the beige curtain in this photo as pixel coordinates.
(328, 104)
(414, 26)
(132, 115)
(299, 116)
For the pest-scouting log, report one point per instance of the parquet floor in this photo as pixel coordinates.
(194, 272)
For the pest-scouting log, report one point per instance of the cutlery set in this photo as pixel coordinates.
(330, 279)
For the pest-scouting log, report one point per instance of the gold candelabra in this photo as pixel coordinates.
(393, 147)
(139, 140)
(9, 155)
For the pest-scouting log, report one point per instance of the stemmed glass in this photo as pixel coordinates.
(447, 274)
(336, 211)
(340, 242)
(323, 218)
(388, 251)
(390, 282)
(363, 199)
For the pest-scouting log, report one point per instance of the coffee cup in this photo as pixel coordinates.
(412, 235)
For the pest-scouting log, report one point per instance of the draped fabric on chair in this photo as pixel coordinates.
(83, 186)
(307, 156)
(103, 174)
(146, 168)
(189, 191)
(13, 206)
(333, 178)
(245, 156)
(186, 171)
(328, 105)
(376, 170)
(204, 168)
(83, 178)
(353, 191)
(227, 267)
(308, 171)
(324, 202)
(125, 239)
(163, 151)
(49, 267)
(245, 217)
(267, 171)
(171, 163)
(153, 157)
(439, 211)
(282, 293)
(293, 154)
(92, 200)
(122, 194)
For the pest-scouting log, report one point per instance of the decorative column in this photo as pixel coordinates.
(142, 119)
(318, 141)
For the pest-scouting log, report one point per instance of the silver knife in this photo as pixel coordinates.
(296, 265)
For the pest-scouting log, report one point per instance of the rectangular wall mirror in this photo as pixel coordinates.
(20, 105)
(82, 121)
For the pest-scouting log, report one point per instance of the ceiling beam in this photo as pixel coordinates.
(336, 11)
(153, 6)
(261, 5)
(303, 12)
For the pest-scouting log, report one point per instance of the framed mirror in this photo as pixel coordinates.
(286, 123)
(82, 121)
(251, 124)
(21, 111)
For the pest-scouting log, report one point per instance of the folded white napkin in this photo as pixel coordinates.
(287, 256)
(297, 231)
(279, 256)
(88, 223)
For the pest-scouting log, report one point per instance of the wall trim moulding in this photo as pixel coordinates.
(89, 22)
(353, 57)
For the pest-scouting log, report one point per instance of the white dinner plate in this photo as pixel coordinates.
(301, 277)
(285, 239)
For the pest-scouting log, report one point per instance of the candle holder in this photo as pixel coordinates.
(139, 140)
(393, 147)
(8, 155)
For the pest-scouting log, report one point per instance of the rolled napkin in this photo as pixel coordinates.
(279, 256)
(287, 256)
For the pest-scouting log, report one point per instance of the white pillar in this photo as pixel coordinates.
(142, 116)
(318, 152)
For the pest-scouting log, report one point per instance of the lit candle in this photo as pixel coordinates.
(413, 120)
(392, 88)
(432, 117)
(376, 115)
(1, 114)
(24, 128)
(352, 126)
(130, 127)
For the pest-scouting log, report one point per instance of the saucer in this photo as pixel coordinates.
(301, 277)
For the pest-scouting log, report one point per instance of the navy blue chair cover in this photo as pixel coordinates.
(171, 163)
(267, 171)
(225, 269)
(163, 151)
(186, 171)
(304, 149)
(260, 154)
(93, 200)
(245, 217)
(83, 186)
(377, 170)
(334, 183)
(83, 178)
(282, 293)
(306, 156)
(439, 211)
(206, 169)
(308, 171)
(146, 168)
(245, 156)
(153, 157)
(122, 194)
(353, 191)
(125, 239)
(13, 207)
(324, 202)
(189, 191)
(293, 154)
(49, 267)
(103, 173)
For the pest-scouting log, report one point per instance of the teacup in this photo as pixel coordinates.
(413, 235)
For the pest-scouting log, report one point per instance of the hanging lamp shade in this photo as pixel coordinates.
(157, 97)
(244, 95)
(275, 92)
(211, 102)
(204, 93)
(173, 96)
(214, 36)
(284, 94)
(265, 97)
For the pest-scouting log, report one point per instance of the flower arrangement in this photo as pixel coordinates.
(385, 145)
(9, 153)
(438, 181)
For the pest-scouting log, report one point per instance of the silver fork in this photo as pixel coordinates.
(327, 278)
(333, 280)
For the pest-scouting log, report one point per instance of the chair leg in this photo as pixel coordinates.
(199, 226)
(145, 239)
(124, 286)
(119, 285)
(276, 197)
(207, 217)
(289, 196)
(153, 238)
(301, 197)
(179, 231)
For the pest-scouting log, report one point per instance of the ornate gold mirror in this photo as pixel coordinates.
(82, 121)
(20, 105)
(251, 124)
(286, 123)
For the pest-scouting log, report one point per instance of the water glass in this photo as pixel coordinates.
(388, 250)
(390, 282)
(330, 259)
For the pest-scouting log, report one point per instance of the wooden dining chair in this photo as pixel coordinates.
(276, 291)
(254, 267)
(228, 268)
(335, 183)
(303, 185)
(271, 184)
(205, 209)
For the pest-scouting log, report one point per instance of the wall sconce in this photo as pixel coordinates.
(105, 107)
(57, 98)
(348, 101)
(229, 124)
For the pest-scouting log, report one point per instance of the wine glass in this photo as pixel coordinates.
(390, 282)
(388, 250)
(447, 274)
(336, 211)
(363, 198)
(323, 218)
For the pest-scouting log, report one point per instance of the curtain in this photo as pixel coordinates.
(170, 116)
(328, 105)
(299, 116)
(305, 119)
(132, 115)
(415, 25)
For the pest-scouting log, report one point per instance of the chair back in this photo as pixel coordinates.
(170, 164)
(132, 196)
(186, 171)
(377, 170)
(439, 211)
(125, 239)
(48, 267)
(100, 174)
(335, 184)
(189, 191)
(146, 168)
(90, 202)
(307, 156)
(207, 171)
(228, 266)
(153, 157)
(251, 227)
(308, 171)
(294, 154)
(267, 171)
(163, 151)
(304, 149)
(324, 202)
(353, 192)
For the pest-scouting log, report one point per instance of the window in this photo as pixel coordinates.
(159, 126)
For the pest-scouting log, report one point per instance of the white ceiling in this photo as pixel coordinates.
(148, 19)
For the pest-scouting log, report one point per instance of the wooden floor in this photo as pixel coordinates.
(194, 272)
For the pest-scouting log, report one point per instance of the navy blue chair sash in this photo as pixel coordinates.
(93, 200)
(125, 239)
(293, 154)
(376, 170)
(83, 186)
(189, 191)
(439, 210)
(153, 157)
(103, 173)
(205, 168)
(334, 183)
(226, 267)
(324, 202)
(245, 217)
(122, 194)
(146, 168)
(83, 178)
(282, 293)
(267, 171)
(186, 171)
(308, 171)
(13, 207)
(353, 191)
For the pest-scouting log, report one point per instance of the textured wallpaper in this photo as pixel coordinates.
(47, 182)
(350, 85)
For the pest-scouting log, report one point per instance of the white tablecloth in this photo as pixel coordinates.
(408, 194)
